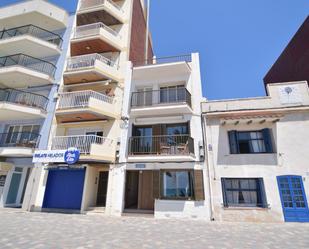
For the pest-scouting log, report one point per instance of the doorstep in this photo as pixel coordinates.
(138, 213)
(95, 210)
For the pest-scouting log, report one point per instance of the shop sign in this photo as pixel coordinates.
(69, 156)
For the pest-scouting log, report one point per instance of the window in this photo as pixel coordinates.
(143, 140)
(243, 192)
(22, 134)
(247, 142)
(177, 129)
(177, 184)
(95, 133)
(172, 94)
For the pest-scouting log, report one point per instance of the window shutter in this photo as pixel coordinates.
(262, 192)
(198, 185)
(156, 184)
(223, 180)
(267, 140)
(233, 142)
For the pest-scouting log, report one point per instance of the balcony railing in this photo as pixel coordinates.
(28, 62)
(81, 99)
(23, 98)
(19, 139)
(161, 97)
(163, 60)
(86, 61)
(92, 29)
(34, 31)
(162, 145)
(85, 4)
(81, 142)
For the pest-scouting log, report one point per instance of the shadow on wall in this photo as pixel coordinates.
(224, 158)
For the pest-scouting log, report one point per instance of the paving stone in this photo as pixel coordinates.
(50, 230)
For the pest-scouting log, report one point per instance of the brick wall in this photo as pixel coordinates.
(138, 35)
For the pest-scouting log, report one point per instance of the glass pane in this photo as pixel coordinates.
(13, 190)
(177, 184)
(183, 187)
(163, 95)
(169, 184)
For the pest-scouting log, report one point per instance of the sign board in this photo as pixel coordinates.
(69, 156)
(140, 166)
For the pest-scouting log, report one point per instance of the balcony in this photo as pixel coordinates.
(36, 12)
(161, 102)
(88, 105)
(162, 68)
(162, 147)
(95, 38)
(30, 39)
(20, 105)
(91, 11)
(91, 147)
(21, 70)
(90, 68)
(18, 144)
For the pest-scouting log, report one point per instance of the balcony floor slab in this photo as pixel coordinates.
(30, 45)
(14, 111)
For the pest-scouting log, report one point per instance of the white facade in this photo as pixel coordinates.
(33, 37)
(88, 109)
(141, 164)
(285, 113)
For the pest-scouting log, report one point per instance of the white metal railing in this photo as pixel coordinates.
(80, 99)
(85, 4)
(92, 29)
(85, 61)
(81, 142)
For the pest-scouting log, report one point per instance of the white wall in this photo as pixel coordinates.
(90, 188)
(291, 140)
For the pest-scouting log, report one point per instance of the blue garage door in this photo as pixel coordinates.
(64, 189)
(293, 198)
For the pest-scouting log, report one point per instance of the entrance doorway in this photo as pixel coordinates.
(293, 198)
(139, 190)
(102, 189)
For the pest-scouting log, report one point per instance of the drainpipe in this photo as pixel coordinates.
(147, 31)
(209, 162)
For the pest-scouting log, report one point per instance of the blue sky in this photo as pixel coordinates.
(238, 40)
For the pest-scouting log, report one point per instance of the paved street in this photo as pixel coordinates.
(45, 230)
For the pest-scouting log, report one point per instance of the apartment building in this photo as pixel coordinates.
(87, 122)
(257, 155)
(161, 168)
(32, 41)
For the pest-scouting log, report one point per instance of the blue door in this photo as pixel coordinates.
(293, 198)
(64, 189)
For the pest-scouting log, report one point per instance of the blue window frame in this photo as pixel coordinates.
(250, 142)
(243, 192)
